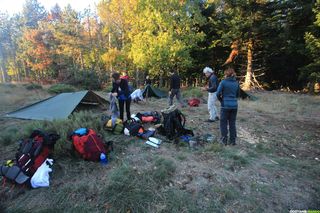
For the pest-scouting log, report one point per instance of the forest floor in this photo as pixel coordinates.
(274, 167)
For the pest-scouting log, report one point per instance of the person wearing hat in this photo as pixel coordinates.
(211, 89)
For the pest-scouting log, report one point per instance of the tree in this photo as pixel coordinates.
(33, 12)
(164, 34)
(311, 72)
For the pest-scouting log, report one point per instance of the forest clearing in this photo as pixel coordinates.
(274, 167)
(257, 62)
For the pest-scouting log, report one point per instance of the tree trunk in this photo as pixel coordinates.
(248, 79)
(3, 67)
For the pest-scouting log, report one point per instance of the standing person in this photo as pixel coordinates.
(147, 81)
(125, 75)
(120, 89)
(175, 88)
(211, 89)
(228, 91)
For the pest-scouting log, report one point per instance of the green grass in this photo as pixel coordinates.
(226, 194)
(134, 190)
(9, 135)
(214, 147)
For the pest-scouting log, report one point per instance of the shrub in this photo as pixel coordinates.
(59, 88)
(193, 92)
(9, 136)
(86, 79)
(33, 86)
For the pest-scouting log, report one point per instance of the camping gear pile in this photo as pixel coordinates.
(33, 162)
(90, 145)
(32, 153)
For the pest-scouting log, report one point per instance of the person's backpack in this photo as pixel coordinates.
(88, 144)
(132, 127)
(173, 123)
(113, 125)
(153, 117)
(32, 152)
(194, 102)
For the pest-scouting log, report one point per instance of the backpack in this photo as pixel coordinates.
(32, 152)
(113, 125)
(132, 127)
(88, 144)
(194, 102)
(173, 123)
(153, 117)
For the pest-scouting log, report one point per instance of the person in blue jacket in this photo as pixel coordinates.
(120, 89)
(228, 93)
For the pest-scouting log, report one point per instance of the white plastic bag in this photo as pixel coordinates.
(41, 177)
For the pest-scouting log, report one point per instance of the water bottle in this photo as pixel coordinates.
(103, 159)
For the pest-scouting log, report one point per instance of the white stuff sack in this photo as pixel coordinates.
(41, 177)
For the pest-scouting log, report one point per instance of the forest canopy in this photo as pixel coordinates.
(278, 41)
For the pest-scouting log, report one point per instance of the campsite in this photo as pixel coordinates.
(160, 106)
(272, 169)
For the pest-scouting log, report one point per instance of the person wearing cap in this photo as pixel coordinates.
(228, 90)
(211, 89)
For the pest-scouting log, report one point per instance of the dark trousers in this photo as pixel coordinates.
(175, 92)
(228, 118)
(121, 108)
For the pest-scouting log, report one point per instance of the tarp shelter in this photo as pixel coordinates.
(60, 106)
(153, 92)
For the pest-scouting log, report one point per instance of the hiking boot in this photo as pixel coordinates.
(210, 120)
(223, 141)
(232, 142)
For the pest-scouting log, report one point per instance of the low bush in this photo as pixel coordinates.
(59, 88)
(32, 86)
(193, 92)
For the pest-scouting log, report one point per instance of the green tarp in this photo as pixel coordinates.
(60, 106)
(153, 92)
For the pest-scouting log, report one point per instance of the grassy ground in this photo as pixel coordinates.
(274, 167)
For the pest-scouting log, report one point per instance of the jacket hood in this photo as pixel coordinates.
(232, 78)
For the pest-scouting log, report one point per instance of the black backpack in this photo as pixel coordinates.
(173, 124)
(133, 127)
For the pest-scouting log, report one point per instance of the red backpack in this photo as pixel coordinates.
(88, 144)
(32, 152)
(194, 102)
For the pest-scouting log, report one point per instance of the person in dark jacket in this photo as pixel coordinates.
(211, 89)
(228, 91)
(120, 89)
(147, 81)
(175, 88)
